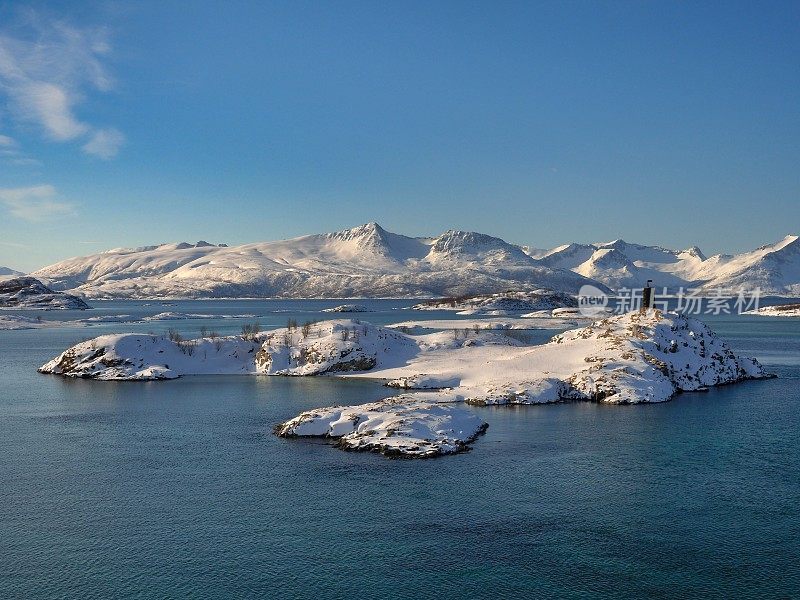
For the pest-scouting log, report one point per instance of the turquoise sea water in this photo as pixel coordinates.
(179, 488)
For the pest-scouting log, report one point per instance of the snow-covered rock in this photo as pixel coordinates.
(780, 310)
(28, 292)
(363, 262)
(394, 427)
(133, 356)
(328, 347)
(502, 303)
(630, 358)
(333, 347)
(649, 357)
(347, 308)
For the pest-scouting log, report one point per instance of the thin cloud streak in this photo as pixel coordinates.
(35, 203)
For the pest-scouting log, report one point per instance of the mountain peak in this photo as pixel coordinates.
(455, 245)
(610, 258)
(376, 241)
(694, 251)
(369, 234)
(454, 239)
(787, 241)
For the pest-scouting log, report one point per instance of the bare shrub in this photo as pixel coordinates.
(251, 330)
(186, 346)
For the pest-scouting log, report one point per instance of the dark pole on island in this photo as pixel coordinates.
(647, 295)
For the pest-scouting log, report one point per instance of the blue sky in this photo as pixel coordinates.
(125, 124)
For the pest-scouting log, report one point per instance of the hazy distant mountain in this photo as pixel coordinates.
(6, 272)
(365, 261)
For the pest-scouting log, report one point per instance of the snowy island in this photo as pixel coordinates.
(503, 303)
(29, 292)
(625, 359)
(347, 308)
(780, 310)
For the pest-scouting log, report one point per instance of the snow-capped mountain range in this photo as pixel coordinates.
(365, 261)
(368, 261)
(774, 268)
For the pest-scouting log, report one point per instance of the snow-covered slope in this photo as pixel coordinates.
(365, 261)
(28, 292)
(774, 268)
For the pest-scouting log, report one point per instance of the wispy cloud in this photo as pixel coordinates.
(10, 153)
(13, 245)
(35, 203)
(47, 67)
(104, 143)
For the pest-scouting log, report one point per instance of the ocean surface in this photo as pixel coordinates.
(178, 489)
